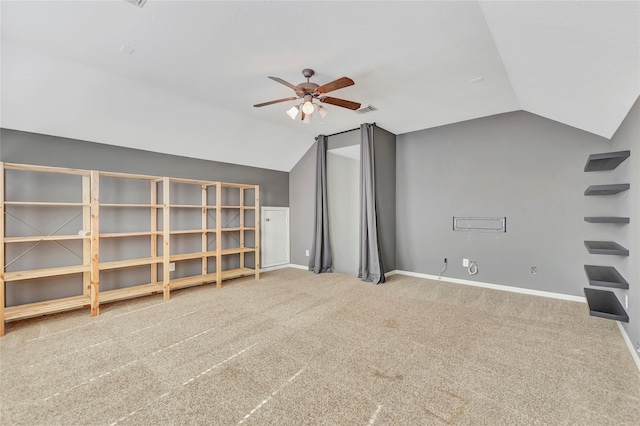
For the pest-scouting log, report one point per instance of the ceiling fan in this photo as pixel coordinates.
(308, 91)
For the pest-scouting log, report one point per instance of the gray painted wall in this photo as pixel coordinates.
(517, 165)
(628, 204)
(343, 190)
(33, 148)
(302, 181)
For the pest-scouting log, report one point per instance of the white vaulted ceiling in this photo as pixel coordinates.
(198, 67)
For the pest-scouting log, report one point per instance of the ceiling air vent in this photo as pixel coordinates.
(138, 3)
(365, 109)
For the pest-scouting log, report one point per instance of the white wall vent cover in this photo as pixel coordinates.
(365, 109)
(138, 3)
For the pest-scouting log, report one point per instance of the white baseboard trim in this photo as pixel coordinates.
(494, 286)
(632, 349)
(273, 268)
(293, 265)
(390, 273)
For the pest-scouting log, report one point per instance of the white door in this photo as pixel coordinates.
(275, 236)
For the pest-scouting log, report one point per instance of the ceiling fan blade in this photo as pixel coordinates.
(340, 102)
(335, 85)
(286, 83)
(293, 98)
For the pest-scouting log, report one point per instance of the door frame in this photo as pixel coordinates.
(263, 218)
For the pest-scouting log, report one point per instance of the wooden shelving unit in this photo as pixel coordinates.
(25, 268)
(228, 227)
(116, 202)
(604, 303)
(195, 197)
(110, 207)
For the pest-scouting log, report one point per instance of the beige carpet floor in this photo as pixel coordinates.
(296, 349)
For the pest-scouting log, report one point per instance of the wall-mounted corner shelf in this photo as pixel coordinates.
(605, 276)
(605, 161)
(606, 219)
(607, 189)
(606, 247)
(605, 304)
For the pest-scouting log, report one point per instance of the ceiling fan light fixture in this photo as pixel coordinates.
(307, 118)
(308, 108)
(293, 112)
(323, 111)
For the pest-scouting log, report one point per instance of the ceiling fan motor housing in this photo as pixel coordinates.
(308, 88)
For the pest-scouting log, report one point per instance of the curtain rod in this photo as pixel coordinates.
(346, 131)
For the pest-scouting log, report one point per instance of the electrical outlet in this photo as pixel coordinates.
(626, 301)
(465, 263)
(306, 252)
(172, 266)
(534, 270)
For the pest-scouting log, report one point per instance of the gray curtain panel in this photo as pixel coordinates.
(370, 268)
(320, 259)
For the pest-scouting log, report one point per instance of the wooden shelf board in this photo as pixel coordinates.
(607, 189)
(195, 255)
(191, 206)
(237, 185)
(606, 219)
(191, 281)
(129, 292)
(237, 229)
(193, 231)
(130, 176)
(46, 169)
(193, 181)
(605, 276)
(233, 273)
(130, 234)
(42, 308)
(605, 161)
(237, 250)
(238, 207)
(43, 238)
(153, 206)
(130, 262)
(46, 272)
(605, 304)
(45, 203)
(606, 247)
